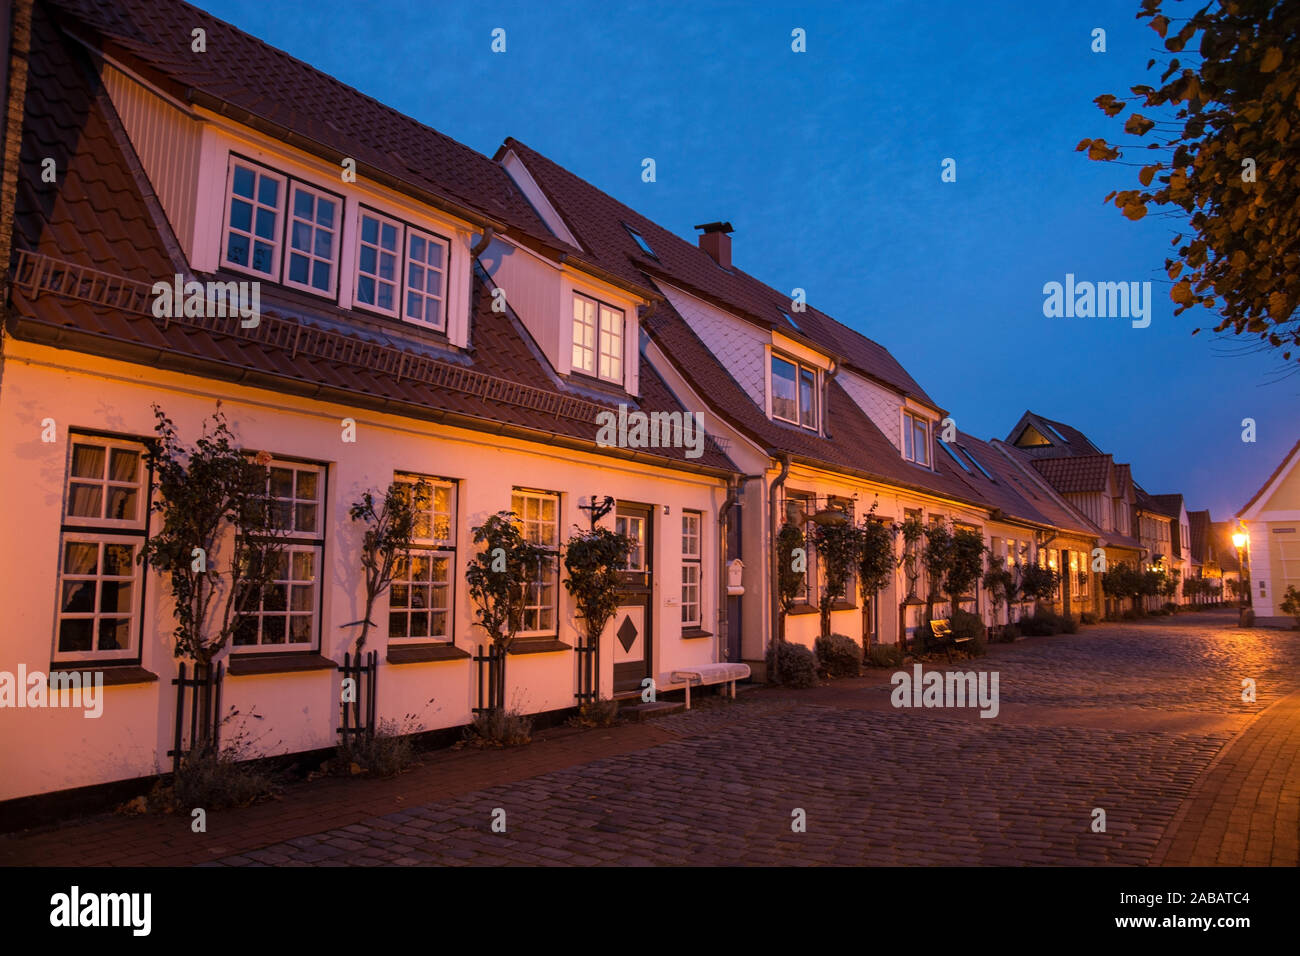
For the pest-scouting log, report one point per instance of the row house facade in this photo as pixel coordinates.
(430, 314)
(1271, 521)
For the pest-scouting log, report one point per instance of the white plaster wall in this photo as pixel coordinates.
(50, 749)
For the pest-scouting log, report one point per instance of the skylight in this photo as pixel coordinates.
(644, 246)
(1059, 436)
(975, 461)
(953, 455)
(791, 321)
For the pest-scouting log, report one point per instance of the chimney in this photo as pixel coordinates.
(716, 241)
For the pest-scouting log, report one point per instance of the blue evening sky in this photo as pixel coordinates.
(828, 165)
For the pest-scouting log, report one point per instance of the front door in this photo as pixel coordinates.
(633, 644)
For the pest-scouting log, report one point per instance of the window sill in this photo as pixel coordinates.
(132, 674)
(695, 633)
(803, 609)
(278, 664)
(423, 653)
(533, 645)
(844, 606)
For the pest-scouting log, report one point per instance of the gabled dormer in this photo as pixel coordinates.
(246, 206)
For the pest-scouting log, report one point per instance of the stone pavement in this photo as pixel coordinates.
(1144, 721)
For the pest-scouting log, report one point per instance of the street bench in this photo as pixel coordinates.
(942, 631)
(704, 674)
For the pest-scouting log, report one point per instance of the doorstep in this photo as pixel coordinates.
(643, 712)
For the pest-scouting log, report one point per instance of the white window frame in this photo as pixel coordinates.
(532, 530)
(441, 324)
(398, 258)
(288, 251)
(294, 541)
(433, 548)
(910, 420)
(799, 369)
(599, 353)
(693, 561)
(277, 242)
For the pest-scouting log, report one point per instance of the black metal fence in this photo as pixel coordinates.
(204, 686)
(588, 660)
(358, 707)
(494, 659)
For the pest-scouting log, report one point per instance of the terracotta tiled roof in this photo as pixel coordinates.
(597, 221)
(1066, 440)
(1171, 505)
(237, 69)
(97, 216)
(1085, 473)
(1198, 529)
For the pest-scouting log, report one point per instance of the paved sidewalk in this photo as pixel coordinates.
(1245, 809)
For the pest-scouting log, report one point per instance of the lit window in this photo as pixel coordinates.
(285, 615)
(426, 271)
(378, 247)
(633, 527)
(794, 392)
(420, 601)
(254, 204)
(313, 240)
(916, 439)
(539, 519)
(597, 339)
(103, 529)
(692, 612)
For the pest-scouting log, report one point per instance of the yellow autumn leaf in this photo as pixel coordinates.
(1272, 60)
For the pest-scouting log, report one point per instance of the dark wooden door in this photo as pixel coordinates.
(633, 623)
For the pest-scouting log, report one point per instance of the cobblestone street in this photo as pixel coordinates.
(1124, 719)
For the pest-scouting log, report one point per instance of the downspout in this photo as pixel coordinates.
(772, 492)
(826, 391)
(488, 235)
(735, 487)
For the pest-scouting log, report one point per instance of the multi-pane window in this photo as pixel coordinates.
(794, 392)
(254, 205)
(916, 439)
(539, 519)
(313, 245)
(633, 526)
(104, 525)
(1079, 572)
(378, 247)
(420, 600)
(284, 616)
(597, 339)
(692, 601)
(426, 271)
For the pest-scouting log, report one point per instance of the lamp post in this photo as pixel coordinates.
(1239, 542)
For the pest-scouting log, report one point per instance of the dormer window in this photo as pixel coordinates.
(254, 206)
(597, 339)
(794, 392)
(916, 439)
(313, 240)
(388, 252)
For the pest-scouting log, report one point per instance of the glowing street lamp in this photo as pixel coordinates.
(1239, 542)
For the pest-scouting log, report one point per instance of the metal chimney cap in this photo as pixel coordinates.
(715, 227)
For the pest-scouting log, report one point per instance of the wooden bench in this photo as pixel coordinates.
(942, 631)
(704, 674)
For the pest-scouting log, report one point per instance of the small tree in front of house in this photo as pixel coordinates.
(1000, 581)
(217, 545)
(912, 530)
(500, 577)
(390, 529)
(791, 566)
(1037, 583)
(594, 561)
(1291, 603)
(839, 548)
(965, 564)
(937, 558)
(876, 562)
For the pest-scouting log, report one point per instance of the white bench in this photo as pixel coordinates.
(703, 674)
